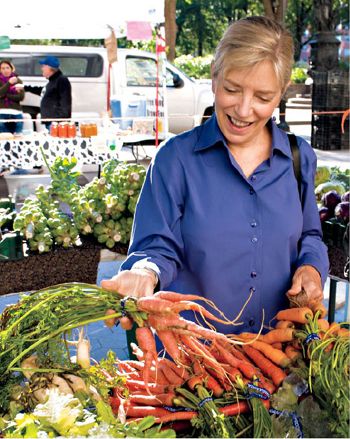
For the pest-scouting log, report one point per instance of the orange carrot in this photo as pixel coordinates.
(143, 410)
(147, 344)
(297, 315)
(153, 304)
(277, 345)
(194, 381)
(179, 370)
(333, 328)
(245, 367)
(200, 350)
(235, 409)
(134, 385)
(267, 367)
(182, 326)
(186, 305)
(152, 400)
(292, 353)
(132, 364)
(323, 325)
(126, 323)
(319, 306)
(209, 381)
(275, 355)
(282, 324)
(343, 332)
(170, 344)
(136, 351)
(110, 322)
(170, 375)
(177, 416)
(177, 297)
(279, 335)
(247, 337)
(296, 344)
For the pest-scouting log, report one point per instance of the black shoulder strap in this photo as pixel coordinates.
(296, 159)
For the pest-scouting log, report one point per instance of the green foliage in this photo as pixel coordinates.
(195, 67)
(299, 75)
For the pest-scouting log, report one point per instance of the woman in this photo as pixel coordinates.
(11, 94)
(220, 213)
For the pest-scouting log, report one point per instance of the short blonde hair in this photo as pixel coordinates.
(252, 40)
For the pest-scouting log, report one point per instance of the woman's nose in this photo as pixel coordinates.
(244, 106)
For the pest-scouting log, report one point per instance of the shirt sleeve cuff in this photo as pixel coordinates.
(148, 265)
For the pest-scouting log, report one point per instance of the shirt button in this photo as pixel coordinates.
(251, 191)
(253, 177)
(253, 223)
(254, 239)
(251, 322)
(253, 274)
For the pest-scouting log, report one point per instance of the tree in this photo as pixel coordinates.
(170, 27)
(275, 9)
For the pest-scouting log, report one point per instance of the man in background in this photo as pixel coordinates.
(56, 96)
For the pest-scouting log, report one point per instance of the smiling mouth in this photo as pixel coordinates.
(238, 123)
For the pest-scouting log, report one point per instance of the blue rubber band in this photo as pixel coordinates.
(311, 337)
(295, 420)
(204, 401)
(260, 392)
(176, 409)
(122, 304)
(296, 424)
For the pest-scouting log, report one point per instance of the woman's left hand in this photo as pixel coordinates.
(307, 278)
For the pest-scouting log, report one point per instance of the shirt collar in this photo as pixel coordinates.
(210, 134)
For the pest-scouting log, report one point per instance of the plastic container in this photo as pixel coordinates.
(127, 110)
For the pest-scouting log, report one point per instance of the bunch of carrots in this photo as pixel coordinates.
(226, 367)
(199, 362)
(218, 384)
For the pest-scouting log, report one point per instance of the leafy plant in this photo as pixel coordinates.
(299, 75)
(195, 67)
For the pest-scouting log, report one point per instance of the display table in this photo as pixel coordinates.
(25, 153)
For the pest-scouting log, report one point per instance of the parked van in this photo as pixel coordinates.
(132, 77)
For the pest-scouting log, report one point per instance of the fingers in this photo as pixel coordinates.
(296, 286)
(110, 284)
(136, 283)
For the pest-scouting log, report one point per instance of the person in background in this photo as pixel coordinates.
(56, 96)
(220, 213)
(11, 94)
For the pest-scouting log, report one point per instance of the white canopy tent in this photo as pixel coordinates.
(77, 19)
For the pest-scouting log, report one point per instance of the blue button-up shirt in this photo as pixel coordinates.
(208, 229)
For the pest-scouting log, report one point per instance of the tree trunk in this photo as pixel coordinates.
(275, 10)
(170, 27)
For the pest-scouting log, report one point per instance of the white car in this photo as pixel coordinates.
(132, 78)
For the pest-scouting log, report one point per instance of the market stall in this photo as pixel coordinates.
(290, 382)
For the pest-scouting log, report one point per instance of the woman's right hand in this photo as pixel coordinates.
(13, 80)
(135, 282)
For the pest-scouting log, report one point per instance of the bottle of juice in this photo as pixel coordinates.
(62, 129)
(71, 130)
(54, 129)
